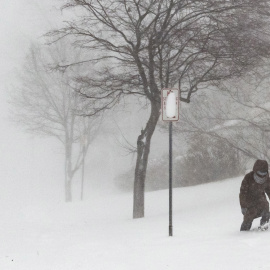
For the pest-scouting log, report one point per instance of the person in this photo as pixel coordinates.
(252, 197)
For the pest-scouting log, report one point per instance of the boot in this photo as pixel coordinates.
(265, 218)
(245, 226)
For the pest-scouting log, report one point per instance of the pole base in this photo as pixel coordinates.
(170, 230)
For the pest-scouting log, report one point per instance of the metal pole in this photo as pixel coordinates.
(170, 180)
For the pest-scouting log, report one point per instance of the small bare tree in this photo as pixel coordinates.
(144, 46)
(47, 103)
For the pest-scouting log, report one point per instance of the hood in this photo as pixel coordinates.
(260, 165)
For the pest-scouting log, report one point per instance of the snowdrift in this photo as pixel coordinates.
(100, 233)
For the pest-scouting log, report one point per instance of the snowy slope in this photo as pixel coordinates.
(100, 234)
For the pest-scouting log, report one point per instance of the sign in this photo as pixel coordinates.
(170, 104)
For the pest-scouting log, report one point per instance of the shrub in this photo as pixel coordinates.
(156, 177)
(207, 159)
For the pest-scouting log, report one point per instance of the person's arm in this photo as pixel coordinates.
(267, 190)
(243, 194)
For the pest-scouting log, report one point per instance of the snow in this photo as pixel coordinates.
(228, 124)
(100, 233)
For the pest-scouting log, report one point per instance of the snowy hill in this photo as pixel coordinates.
(100, 234)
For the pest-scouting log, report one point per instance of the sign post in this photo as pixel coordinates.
(170, 113)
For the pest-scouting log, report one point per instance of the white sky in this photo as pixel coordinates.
(27, 161)
(21, 22)
(22, 156)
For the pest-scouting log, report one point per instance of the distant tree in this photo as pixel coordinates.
(239, 115)
(144, 46)
(48, 104)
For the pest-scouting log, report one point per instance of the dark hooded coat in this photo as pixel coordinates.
(252, 194)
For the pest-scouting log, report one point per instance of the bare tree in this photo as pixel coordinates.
(239, 115)
(47, 104)
(144, 46)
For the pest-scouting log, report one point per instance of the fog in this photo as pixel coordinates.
(33, 167)
(28, 165)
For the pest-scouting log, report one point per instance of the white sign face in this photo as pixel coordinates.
(170, 104)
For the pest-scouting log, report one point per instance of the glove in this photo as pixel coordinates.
(244, 211)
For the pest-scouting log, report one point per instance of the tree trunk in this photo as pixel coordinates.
(68, 175)
(68, 193)
(143, 150)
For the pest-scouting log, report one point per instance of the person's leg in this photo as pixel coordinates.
(248, 219)
(264, 213)
(245, 226)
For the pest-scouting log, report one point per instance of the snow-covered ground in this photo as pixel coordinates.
(100, 233)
